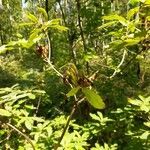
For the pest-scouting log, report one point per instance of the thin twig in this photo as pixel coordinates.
(25, 136)
(49, 47)
(37, 107)
(78, 5)
(68, 122)
(120, 64)
(48, 60)
(132, 59)
(52, 66)
(68, 33)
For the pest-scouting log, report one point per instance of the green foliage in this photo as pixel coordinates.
(48, 48)
(94, 99)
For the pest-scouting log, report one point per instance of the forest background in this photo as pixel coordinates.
(74, 74)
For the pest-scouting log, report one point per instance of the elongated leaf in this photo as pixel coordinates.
(31, 17)
(108, 24)
(134, 41)
(145, 135)
(147, 124)
(95, 117)
(42, 10)
(54, 24)
(38, 119)
(59, 27)
(28, 124)
(121, 19)
(73, 91)
(93, 98)
(4, 112)
(131, 12)
(34, 34)
(134, 102)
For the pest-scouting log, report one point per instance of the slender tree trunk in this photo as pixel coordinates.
(70, 41)
(51, 56)
(78, 5)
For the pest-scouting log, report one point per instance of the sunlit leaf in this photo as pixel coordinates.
(34, 34)
(129, 42)
(147, 124)
(93, 98)
(31, 96)
(55, 23)
(73, 91)
(31, 17)
(145, 108)
(4, 112)
(131, 12)
(145, 135)
(3, 49)
(134, 102)
(108, 24)
(59, 27)
(95, 117)
(42, 10)
(38, 119)
(133, 2)
(121, 19)
(28, 124)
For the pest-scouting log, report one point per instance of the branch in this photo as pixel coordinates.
(68, 34)
(37, 107)
(134, 57)
(68, 122)
(120, 64)
(81, 32)
(52, 66)
(63, 15)
(25, 136)
(49, 47)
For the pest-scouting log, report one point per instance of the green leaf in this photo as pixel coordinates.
(59, 27)
(3, 49)
(121, 19)
(31, 96)
(38, 119)
(42, 11)
(31, 17)
(134, 102)
(93, 98)
(73, 91)
(145, 135)
(54, 24)
(133, 2)
(147, 2)
(34, 34)
(108, 24)
(28, 124)
(95, 117)
(4, 112)
(144, 108)
(50, 23)
(147, 124)
(130, 42)
(131, 12)
(26, 24)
